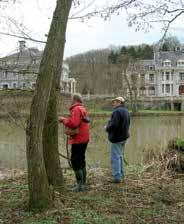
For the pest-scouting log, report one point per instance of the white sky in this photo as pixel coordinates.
(36, 16)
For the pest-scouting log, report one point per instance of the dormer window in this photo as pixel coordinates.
(34, 61)
(150, 67)
(167, 63)
(151, 77)
(180, 63)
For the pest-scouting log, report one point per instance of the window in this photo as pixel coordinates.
(134, 89)
(172, 89)
(142, 91)
(172, 76)
(3, 62)
(167, 76)
(167, 88)
(181, 90)
(181, 76)
(167, 63)
(151, 90)
(180, 63)
(162, 88)
(142, 77)
(151, 77)
(34, 62)
(5, 86)
(162, 76)
(33, 85)
(5, 74)
(23, 85)
(14, 85)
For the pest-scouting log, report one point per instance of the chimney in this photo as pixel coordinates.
(22, 45)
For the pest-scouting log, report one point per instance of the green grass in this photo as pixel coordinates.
(91, 217)
(97, 199)
(43, 221)
(180, 144)
(160, 111)
(144, 197)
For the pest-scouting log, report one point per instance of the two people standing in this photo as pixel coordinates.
(118, 133)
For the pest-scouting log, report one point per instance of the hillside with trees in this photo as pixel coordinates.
(99, 71)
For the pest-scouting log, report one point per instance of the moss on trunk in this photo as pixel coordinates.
(40, 193)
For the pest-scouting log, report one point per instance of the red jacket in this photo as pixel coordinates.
(77, 112)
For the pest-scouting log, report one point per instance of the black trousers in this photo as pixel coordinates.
(78, 156)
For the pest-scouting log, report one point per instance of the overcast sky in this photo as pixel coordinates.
(35, 16)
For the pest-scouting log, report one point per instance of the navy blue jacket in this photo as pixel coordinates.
(118, 126)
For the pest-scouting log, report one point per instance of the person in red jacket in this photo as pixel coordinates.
(78, 118)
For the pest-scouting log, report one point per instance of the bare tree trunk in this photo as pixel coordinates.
(129, 86)
(40, 194)
(125, 61)
(132, 99)
(50, 144)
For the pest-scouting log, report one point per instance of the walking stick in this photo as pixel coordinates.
(68, 154)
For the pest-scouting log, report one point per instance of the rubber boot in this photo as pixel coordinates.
(80, 180)
(84, 175)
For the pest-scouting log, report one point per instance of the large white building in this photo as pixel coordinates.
(19, 70)
(163, 76)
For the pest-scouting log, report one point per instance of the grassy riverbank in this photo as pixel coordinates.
(101, 113)
(16, 103)
(148, 195)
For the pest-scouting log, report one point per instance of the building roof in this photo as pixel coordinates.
(161, 56)
(172, 56)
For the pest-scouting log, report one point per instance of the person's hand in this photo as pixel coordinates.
(61, 119)
(105, 127)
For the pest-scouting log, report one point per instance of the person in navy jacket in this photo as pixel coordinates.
(118, 133)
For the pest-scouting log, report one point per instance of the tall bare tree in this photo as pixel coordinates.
(130, 69)
(40, 194)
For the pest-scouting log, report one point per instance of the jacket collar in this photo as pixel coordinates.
(74, 105)
(118, 106)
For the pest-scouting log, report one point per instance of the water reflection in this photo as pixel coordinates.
(145, 132)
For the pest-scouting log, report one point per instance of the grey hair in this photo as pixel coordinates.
(77, 97)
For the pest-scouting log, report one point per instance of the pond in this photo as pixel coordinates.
(145, 133)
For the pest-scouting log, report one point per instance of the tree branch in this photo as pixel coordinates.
(22, 37)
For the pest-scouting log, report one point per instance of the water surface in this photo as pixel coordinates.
(145, 133)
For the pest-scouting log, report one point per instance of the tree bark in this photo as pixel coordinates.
(50, 132)
(40, 194)
(50, 144)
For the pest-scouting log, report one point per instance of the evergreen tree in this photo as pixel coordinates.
(123, 51)
(147, 52)
(164, 47)
(112, 58)
(132, 52)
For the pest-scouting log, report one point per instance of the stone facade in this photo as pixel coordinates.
(163, 76)
(20, 70)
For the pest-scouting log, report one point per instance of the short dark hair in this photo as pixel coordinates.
(77, 97)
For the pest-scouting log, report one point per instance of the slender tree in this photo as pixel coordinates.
(40, 194)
